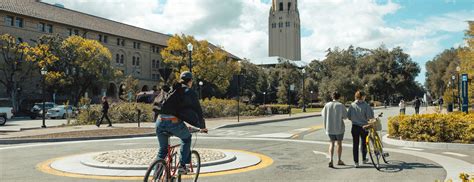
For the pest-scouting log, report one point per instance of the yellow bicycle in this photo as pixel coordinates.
(374, 143)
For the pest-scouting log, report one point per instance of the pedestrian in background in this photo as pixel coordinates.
(105, 111)
(359, 113)
(440, 102)
(334, 114)
(417, 105)
(402, 107)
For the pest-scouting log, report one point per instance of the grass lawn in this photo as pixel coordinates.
(300, 110)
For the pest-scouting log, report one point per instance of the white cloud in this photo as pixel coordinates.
(241, 25)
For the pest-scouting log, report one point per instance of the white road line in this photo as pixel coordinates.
(322, 153)
(409, 148)
(455, 154)
(452, 166)
(302, 129)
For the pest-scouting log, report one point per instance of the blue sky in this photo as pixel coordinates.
(423, 28)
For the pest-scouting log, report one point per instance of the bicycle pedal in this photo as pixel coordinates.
(386, 154)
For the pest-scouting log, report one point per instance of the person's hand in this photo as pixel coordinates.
(204, 130)
(366, 126)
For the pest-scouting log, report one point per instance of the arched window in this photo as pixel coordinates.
(117, 58)
(122, 59)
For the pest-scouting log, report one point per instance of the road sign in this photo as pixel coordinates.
(292, 87)
(464, 93)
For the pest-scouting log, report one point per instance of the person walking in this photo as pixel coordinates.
(105, 111)
(334, 114)
(417, 104)
(402, 107)
(440, 102)
(171, 118)
(359, 113)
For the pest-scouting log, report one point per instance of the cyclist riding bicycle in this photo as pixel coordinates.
(171, 120)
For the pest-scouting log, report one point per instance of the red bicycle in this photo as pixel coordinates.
(166, 170)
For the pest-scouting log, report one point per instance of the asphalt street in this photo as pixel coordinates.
(298, 154)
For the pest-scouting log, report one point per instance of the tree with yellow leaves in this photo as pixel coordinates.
(18, 62)
(209, 64)
(466, 55)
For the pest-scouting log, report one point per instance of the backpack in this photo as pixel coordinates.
(168, 102)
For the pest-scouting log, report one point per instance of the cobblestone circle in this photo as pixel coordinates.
(145, 156)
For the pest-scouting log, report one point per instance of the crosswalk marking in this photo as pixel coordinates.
(229, 133)
(321, 153)
(455, 154)
(409, 148)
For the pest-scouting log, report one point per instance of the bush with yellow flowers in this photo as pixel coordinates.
(454, 127)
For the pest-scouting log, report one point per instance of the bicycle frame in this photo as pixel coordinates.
(169, 159)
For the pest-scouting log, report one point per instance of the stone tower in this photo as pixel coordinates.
(284, 29)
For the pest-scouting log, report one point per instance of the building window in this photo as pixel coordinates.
(76, 32)
(100, 38)
(123, 42)
(138, 61)
(138, 45)
(9, 20)
(134, 45)
(121, 59)
(287, 24)
(105, 38)
(69, 30)
(152, 48)
(153, 63)
(42, 27)
(133, 60)
(117, 59)
(118, 41)
(280, 24)
(274, 25)
(289, 6)
(281, 6)
(19, 40)
(19, 22)
(49, 28)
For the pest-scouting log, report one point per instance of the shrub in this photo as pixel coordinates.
(454, 127)
(121, 112)
(214, 108)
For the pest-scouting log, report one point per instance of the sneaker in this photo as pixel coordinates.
(366, 161)
(356, 165)
(340, 163)
(183, 170)
(109, 126)
(331, 165)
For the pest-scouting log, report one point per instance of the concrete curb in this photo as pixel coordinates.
(265, 121)
(19, 141)
(426, 145)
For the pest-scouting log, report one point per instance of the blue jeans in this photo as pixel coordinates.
(179, 130)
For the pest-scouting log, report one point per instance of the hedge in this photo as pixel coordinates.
(454, 127)
(124, 112)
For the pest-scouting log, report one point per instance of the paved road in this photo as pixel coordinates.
(299, 159)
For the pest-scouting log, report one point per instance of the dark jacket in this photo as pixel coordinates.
(417, 103)
(190, 109)
(105, 107)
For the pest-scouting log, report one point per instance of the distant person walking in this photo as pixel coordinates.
(359, 113)
(334, 114)
(402, 107)
(417, 104)
(105, 111)
(440, 102)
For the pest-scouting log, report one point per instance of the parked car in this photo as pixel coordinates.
(6, 110)
(37, 110)
(61, 111)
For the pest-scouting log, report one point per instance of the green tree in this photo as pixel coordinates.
(439, 71)
(130, 85)
(210, 64)
(466, 56)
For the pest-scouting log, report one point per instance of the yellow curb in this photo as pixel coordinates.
(45, 167)
(312, 129)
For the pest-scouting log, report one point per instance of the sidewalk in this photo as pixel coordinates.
(16, 125)
(211, 124)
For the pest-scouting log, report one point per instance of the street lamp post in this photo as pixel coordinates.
(238, 94)
(311, 97)
(264, 96)
(453, 78)
(43, 73)
(200, 89)
(304, 103)
(190, 51)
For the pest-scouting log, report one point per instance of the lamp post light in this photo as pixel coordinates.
(311, 98)
(304, 103)
(190, 52)
(44, 71)
(200, 89)
(458, 69)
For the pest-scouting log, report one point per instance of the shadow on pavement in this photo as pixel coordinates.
(397, 166)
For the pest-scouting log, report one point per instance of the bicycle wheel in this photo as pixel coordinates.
(194, 167)
(156, 172)
(373, 152)
(380, 146)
